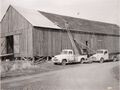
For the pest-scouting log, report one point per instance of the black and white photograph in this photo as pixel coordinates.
(59, 45)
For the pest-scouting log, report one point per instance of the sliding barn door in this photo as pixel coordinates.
(3, 46)
(16, 43)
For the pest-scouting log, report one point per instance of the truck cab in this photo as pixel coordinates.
(68, 56)
(100, 55)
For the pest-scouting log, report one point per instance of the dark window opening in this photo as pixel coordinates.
(70, 52)
(86, 43)
(9, 44)
(86, 50)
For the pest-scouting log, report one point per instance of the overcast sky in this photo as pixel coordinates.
(98, 10)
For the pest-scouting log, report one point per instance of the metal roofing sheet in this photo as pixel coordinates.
(36, 18)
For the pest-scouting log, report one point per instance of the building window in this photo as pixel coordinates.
(86, 43)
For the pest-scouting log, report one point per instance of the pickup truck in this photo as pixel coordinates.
(103, 55)
(68, 56)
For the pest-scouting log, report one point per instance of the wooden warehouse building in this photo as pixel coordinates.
(28, 33)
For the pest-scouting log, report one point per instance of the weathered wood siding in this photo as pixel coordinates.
(49, 42)
(112, 43)
(100, 41)
(14, 23)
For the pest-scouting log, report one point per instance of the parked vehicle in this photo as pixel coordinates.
(118, 56)
(68, 56)
(103, 55)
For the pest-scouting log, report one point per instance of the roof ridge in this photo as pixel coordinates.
(80, 18)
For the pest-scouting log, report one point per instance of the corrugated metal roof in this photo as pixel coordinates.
(35, 18)
(78, 24)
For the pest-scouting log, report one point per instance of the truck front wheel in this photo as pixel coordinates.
(82, 60)
(101, 60)
(55, 63)
(64, 62)
(114, 59)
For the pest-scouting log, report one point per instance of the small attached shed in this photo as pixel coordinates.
(29, 33)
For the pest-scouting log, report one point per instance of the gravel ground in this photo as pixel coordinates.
(116, 71)
(94, 76)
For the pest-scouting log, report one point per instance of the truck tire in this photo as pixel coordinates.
(55, 63)
(91, 61)
(64, 62)
(101, 60)
(114, 59)
(82, 60)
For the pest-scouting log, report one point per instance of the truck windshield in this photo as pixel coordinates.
(64, 52)
(99, 51)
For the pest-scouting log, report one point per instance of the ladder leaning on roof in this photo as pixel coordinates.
(77, 48)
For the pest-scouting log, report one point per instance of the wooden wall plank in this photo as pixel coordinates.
(49, 43)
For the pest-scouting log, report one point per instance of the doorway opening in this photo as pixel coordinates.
(9, 44)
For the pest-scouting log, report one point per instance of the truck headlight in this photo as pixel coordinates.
(54, 59)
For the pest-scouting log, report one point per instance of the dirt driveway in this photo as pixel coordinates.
(94, 76)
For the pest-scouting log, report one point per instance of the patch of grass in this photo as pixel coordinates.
(41, 68)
